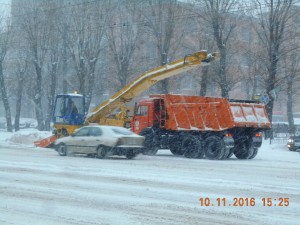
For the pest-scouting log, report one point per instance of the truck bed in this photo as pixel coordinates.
(212, 114)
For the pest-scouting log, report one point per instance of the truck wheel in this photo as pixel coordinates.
(214, 147)
(243, 150)
(101, 152)
(62, 150)
(192, 147)
(175, 145)
(176, 149)
(255, 151)
(150, 142)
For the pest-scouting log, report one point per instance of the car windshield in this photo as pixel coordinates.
(119, 130)
(81, 132)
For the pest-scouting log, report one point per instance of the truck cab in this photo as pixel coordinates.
(69, 109)
(147, 113)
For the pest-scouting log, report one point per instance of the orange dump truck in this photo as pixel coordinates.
(196, 126)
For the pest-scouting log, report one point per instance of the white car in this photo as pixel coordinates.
(101, 141)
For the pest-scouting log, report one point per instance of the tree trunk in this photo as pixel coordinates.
(270, 104)
(270, 87)
(164, 84)
(19, 101)
(81, 77)
(65, 61)
(223, 76)
(5, 100)
(91, 83)
(203, 85)
(51, 96)
(290, 105)
(38, 98)
(254, 90)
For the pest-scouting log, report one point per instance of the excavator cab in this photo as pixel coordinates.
(69, 109)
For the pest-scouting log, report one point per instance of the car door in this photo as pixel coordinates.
(94, 139)
(79, 141)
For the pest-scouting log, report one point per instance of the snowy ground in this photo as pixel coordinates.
(39, 187)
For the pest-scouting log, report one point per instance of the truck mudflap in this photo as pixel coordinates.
(229, 142)
(257, 141)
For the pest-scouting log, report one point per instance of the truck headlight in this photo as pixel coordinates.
(291, 140)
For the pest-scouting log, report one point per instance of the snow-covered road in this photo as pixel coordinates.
(39, 187)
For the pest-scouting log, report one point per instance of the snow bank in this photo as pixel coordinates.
(23, 137)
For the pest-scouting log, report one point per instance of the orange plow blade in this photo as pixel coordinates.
(45, 142)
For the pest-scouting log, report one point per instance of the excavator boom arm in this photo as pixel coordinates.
(147, 80)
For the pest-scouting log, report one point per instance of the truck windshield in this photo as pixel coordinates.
(66, 105)
(69, 109)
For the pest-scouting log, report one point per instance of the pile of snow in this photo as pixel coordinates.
(23, 137)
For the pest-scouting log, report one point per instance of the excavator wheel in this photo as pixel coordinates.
(192, 147)
(150, 143)
(214, 148)
(243, 150)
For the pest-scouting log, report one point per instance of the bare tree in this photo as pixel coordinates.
(292, 67)
(256, 73)
(54, 56)
(4, 43)
(222, 22)
(291, 71)
(86, 25)
(204, 41)
(122, 37)
(21, 69)
(36, 32)
(273, 17)
(163, 17)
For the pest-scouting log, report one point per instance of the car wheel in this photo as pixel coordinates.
(62, 150)
(101, 152)
(150, 143)
(130, 154)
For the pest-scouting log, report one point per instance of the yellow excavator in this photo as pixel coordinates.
(69, 111)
